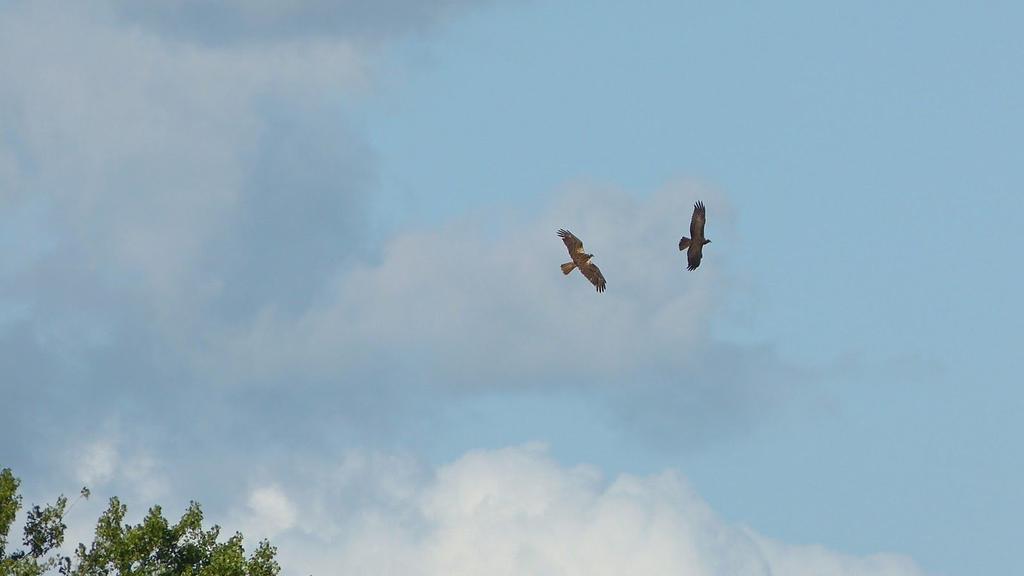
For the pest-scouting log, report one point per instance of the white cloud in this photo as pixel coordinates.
(479, 305)
(143, 148)
(178, 252)
(96, 463)
(516, 511)
(134, 169)
(482, 299)
(270, 512)
(106, 464)
(145, 478)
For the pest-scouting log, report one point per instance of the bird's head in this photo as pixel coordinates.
(706, 241)
(589, 256)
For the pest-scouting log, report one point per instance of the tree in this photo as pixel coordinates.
(153, 547)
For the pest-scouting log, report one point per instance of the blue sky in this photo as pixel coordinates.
(871, 153)
(295, 261)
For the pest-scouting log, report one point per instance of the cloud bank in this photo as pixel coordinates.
(516, 511)
(148, 188)
(189, 257)
(512, 510)
(184, 223)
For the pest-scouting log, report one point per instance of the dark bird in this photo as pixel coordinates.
(581, 260)
(695, 243)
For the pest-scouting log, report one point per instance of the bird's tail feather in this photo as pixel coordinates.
(684, 243)
(567, 267)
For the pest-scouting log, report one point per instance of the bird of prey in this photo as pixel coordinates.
(581, 260)
(695, 243)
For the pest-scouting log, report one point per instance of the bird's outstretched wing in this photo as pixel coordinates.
(593, 273)
(697, 227)
(574, 244)
(693, 255)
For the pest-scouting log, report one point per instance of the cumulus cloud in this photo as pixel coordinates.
(147, 188)
(108, 462)
(516, 511)
(477, 300)
(184, 222)
(479, 305)
(270, 511)
(182, 225)
(137, 151)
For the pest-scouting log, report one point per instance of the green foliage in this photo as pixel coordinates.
(44, 532)
(10, 503)
(44, 528)
(153, 547)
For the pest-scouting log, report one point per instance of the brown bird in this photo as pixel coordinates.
(581, 260)
(695, 244)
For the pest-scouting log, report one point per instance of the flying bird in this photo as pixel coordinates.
(581, 260)
(695, 243)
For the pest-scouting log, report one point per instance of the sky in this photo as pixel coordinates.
(297, 261)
